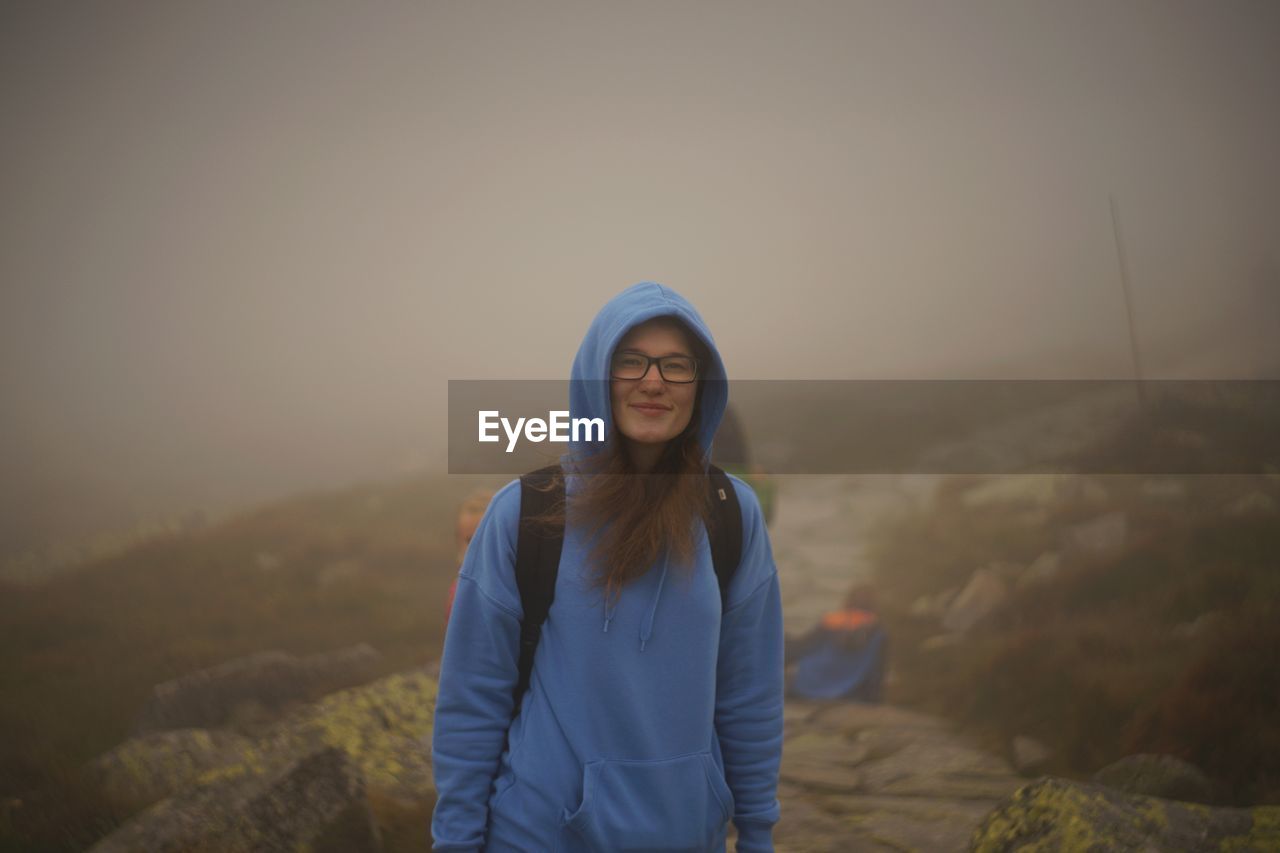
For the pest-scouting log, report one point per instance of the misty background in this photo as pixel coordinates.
(245, 245)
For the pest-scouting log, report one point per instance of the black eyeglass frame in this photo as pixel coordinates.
(649, 361)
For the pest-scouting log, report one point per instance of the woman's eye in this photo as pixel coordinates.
(629, 361)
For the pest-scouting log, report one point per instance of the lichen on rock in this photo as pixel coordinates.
(382, 727)
(1058, 814)
(324, 767)
(296, 804)
(148, 768)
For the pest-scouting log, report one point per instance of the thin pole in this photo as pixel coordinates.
(1128, 300)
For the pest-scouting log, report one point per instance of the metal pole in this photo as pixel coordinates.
(1128, 300)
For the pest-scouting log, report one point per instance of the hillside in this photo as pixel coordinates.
(82, 652)
(1102, 615)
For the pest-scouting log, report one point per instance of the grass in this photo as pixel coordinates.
(1171, 644)
(82, 651)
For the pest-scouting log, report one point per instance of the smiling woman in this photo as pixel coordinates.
(653, 387)
(653, 712)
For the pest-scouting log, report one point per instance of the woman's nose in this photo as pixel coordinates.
(652, 377)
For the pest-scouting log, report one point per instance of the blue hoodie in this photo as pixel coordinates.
(650, 721)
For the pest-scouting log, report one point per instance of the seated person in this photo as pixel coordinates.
(843, 656)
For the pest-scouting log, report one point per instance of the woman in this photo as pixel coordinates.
(654, 712)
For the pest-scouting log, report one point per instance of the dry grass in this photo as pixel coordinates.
(1104, 661)
(82, 651)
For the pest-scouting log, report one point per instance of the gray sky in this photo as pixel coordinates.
(245, 244)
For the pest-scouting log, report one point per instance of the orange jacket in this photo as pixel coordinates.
(847, 620)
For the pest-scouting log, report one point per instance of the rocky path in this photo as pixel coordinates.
(861, 777)
(820, 532)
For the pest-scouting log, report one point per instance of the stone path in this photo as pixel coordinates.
(864, 777)
(819, 534)
(878, 778)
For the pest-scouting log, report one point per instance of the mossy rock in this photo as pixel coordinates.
(269, 679)
(1058, 814)
(384, 728)
(315, 774)
(294, 807)
(148, 768)
(1159, 776)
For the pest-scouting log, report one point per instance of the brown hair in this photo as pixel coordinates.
(635, 516)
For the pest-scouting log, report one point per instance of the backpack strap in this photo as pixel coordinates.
(538, 553)
(537, 564)
(725, 532)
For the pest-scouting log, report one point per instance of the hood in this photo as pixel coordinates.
(589, 386)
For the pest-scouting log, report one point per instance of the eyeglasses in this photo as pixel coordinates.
(677, 369)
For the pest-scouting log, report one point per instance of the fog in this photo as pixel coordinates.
(245, 245)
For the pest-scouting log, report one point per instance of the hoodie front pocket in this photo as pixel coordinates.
(673, 804)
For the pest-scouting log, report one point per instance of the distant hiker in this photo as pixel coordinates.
(470, 511)
(641, 593)
(843, 656)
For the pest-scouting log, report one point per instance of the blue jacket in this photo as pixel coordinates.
(648, 724)
(843, 657)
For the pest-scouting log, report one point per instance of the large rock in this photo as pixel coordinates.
(210, 697)
(1029, 755)
(934, 605)
(320, 795)
(983, 594)
(1042, 570)
(153, 766)
(1159, 776)
(384, 729)
(1057, 814)
(1099, 537)
(381, 730)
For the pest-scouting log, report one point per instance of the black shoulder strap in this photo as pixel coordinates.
(726, 531)
(538, 553)
(537, 563)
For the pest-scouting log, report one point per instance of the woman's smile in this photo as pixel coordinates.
(651, 410)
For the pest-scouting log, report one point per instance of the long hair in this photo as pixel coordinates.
(632, 516)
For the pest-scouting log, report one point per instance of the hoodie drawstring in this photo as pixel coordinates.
(646, 630)
(609, 610)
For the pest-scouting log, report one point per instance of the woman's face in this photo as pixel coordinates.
(649, 410)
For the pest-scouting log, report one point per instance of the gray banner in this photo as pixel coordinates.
(917, 426)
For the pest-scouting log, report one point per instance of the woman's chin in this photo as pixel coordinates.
(648, 436)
